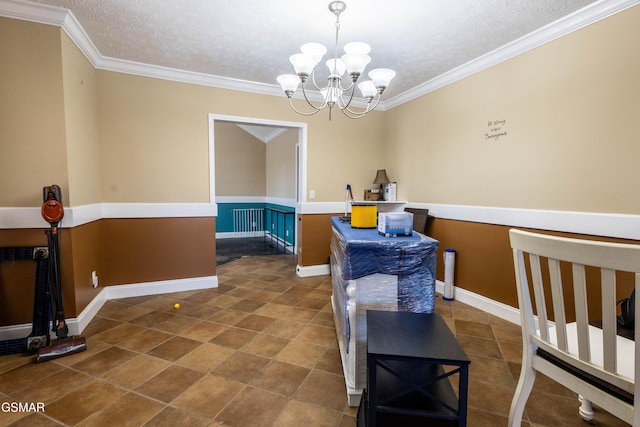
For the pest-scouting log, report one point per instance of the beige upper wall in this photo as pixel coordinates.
(81, 119)
(33, 153)
(154, 140)
(570, 110)
(240, 162)
(281, 165)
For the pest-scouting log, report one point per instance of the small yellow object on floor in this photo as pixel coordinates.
(176, 306)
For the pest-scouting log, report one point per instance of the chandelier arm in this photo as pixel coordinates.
(302, 112)
(341, 102)
(313, 80)
(358, 114)
(324, 102)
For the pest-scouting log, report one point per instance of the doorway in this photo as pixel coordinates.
(284, 184)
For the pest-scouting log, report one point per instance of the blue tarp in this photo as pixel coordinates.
(358, 253)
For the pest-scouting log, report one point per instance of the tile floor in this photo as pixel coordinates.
(260, 350)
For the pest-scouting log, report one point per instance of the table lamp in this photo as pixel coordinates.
(381, 179)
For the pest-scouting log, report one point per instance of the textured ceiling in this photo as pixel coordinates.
(251, 40)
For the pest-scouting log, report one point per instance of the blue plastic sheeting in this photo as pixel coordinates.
(358, 253)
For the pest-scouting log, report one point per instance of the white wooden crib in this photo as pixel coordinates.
(596, 363)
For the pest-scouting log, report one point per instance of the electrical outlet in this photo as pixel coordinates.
(312, 194)
(94, 279)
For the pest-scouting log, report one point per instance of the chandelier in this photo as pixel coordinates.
(353, 62)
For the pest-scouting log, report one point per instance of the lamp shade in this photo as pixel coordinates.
(368, 89)
(381, 177)
(381, 77)
(288, 82)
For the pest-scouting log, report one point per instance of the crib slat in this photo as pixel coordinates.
(524, 298)
(609, 326)
(558, 303)
(582, 318)
(538, 290)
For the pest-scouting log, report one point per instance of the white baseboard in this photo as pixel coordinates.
(313, 270)
(78, 324)
(485, 304)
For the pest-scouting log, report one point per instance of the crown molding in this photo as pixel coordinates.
(33, 12)
(65, 19)
(568, 24)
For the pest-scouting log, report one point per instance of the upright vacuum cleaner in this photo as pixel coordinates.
(63, 345)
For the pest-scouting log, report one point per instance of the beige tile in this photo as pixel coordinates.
(314, 303)
(129, 410)
(265, 345)
(491, 369)
(319, 335)
(85, 401)
(302, 354)
(281, 378)
(171, 416)
(224, 301)
(476, 329)
(145, 341)
(331, 362)
(206, 357)
(241, 366)
(246, 305)
(228, 317)
(122, 312)
(170, 383)
(306, 414)
(285, 328)
(104, 361)
(321, 388)
(255, 322)
(52, 387)
(177, 323)
(492, 397)
(120, 333)
(203, 331)
(25, 375)
(265, 408)
(174, 348)
(479, 346)
(209, 396)
(136, 371)
(234, 337)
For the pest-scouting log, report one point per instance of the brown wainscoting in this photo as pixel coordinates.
(152, 249)
(484, 261)
(121, 251)
(314, 239)
(483, 264)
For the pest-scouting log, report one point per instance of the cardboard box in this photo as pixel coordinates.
(372, 195)
(395, 224)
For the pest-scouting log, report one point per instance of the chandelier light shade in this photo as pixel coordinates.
(335, 92)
